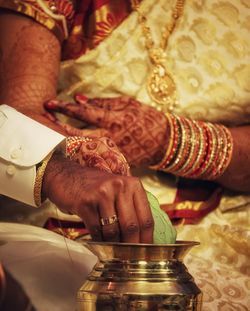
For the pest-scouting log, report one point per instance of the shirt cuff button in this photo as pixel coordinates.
(10, 170)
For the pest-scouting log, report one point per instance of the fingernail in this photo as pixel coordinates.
(51, 104)
(81, 97)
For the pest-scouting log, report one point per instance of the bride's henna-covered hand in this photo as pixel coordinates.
(96, 150)
(140, 131)
(101, 153)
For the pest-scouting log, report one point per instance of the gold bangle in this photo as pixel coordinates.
(189, 149)
(39, 179)
(170, 126)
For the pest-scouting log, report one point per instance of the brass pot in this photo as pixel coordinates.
(139, 277)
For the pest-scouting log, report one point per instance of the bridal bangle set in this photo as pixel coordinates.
(196, 149)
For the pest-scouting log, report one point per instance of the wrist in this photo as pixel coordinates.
(50, 172)
(58, 181)
(39, 196)
(196, 149)
(163, 142)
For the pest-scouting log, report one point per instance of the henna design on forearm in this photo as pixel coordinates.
(29, 64)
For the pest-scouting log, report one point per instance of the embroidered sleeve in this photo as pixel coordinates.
(57, 16)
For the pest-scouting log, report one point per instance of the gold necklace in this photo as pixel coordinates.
(161, 86)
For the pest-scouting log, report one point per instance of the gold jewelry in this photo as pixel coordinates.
(73, 144)
(39, 179)
(161, 86)
(52, 12)
(109, 220)
(202, 150)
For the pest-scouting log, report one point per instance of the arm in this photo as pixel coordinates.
(29, 72)
(29, 65)
(237, 175)
(152, 126)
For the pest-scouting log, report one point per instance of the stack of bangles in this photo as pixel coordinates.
(196, 149)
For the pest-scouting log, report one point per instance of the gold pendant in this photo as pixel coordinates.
(161, 88)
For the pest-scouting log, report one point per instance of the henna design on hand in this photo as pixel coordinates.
(102, 153)
(140, 131)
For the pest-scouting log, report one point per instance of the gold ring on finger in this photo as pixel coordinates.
(109, 220)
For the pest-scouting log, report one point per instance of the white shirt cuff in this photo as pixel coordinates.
(23, 144)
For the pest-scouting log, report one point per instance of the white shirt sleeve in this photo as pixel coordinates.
(23, 144)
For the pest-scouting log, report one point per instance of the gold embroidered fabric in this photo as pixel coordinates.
(32, 9)
(208, 56)
(220, 265)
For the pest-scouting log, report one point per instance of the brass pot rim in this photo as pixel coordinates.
(178, 243)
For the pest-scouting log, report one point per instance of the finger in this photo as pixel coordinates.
(50, 116)
(128, 220)
(70, 130)
(84, 112)
(92, 223)
(80, 98)
(95, 133)
(144, 215)
(96, 161)
(99, 163)
(109, 219)
(112, 156)
(51, 121)
(74, 131)
(93, 115)
(113, 103)
(73, 110)
(126, 167)
(61, 106)
(116, 162)
(105, 103)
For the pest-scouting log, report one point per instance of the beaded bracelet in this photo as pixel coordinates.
(196, 149)
(39, 179)
(73, 144)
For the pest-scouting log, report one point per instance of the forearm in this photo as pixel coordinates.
(58, 170)
(237, 174)
(208, 151)
(29, 65)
